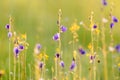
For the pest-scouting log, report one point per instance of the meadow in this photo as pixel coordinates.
(59, 40)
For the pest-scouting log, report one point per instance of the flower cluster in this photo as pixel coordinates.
(56, 36)
(8, 28)
(20, 44)
(74, 28)
(114, 20)
(19, 41)
(39, 55)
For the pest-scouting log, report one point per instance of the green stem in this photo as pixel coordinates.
(30, 71)
(104, 54)
(14, 67)
(19, 73)
(25, 64)
(9, 60)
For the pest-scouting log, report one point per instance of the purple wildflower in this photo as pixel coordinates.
(7, 26)
(16, 51)
(95, 26)
(41, 64)
(62, 64)
(92, 57)
(38, 46)
(104, 2)
(57, 55)
(111, 25)
(9, 34)
(56, 36)
(117, 48)
(21, 47)
(82, 51)
(72, 66)
(63, 28)
(114, 19)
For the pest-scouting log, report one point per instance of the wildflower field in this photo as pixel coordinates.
(59, 40)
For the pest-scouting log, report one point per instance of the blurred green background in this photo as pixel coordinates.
(37, 18)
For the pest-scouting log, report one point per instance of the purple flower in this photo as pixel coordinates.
(72, 66)
(21, 47)
(114, 19)
(63, 28)
(117, 48)
(62, 64)
(82, 51)
(111, 25)
(92, 57)
(16, 51)
(57, 55)
(56, 36)
(7, 26)
(104, 2)
(95, 26)
(41, 64)
(9, 34)
(38, 46)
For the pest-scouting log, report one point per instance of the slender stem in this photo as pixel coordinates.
(14, 68)
(79, 68)
(56, 73)
(59, 44)
(30, 71)
(25, 60)
(92, 49)
(19, 73)
(59, 26)
(111, 44)
(45, 65)
(104, 54)
(10, 23)
(97, 72)
(9, 60)
(25, 64)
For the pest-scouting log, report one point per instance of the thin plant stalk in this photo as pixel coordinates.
(25, 64)
(104, 48)
(59, 45)
(9, 60)
(112, 42)
(19, 66)
(10, 23)
(92, 43)
(98, 76)
(25, 60)
(104, 53)
(44, 68)
(14, 68)
(30, 71)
